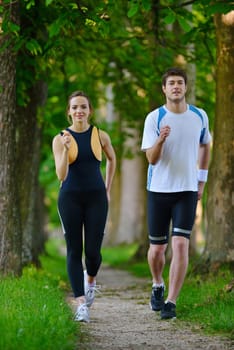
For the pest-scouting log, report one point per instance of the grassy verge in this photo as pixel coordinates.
(33, 311)
(203, 302)
(34, 314)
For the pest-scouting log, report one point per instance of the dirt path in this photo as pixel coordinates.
(122, 320)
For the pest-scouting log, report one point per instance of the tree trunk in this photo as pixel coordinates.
(114, 208)
(132, 208)
(220, 206)
(29, 139)
(10, 231)
(125, 219)
(28, 155)
(21, 206)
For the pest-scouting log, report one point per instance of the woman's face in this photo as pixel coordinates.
(79, 109)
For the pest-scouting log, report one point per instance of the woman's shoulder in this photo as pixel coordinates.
(56, 142)
(103, 136)
(56, 138)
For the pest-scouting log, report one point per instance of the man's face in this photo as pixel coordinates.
(175, 88)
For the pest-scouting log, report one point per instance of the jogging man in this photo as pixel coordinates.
(176, 140)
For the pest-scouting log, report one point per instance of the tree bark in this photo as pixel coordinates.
(30, 193)
(220, 206)
(132, 207)
(29, 140)
(10, 230)
(21, 205)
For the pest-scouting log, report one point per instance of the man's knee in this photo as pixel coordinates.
(157, 250)
(180, 244)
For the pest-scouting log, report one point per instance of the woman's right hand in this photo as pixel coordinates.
(61, 144)
(66, 140)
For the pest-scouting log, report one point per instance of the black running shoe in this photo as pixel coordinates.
(168, 311)
(157, 298)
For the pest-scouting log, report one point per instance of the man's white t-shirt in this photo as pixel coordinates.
(176, 170)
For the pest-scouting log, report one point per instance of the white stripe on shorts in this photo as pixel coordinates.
(156, 239)
(181, 230)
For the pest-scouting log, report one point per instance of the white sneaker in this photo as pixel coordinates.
(82, 313)
(89, 290)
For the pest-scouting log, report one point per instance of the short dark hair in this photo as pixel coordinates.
(174, 71)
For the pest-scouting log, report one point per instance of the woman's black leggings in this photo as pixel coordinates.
(83, 215)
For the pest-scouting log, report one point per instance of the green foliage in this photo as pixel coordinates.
(124, 46)
(29, 3)
(33, 47)
(220, 6)
(170, 17)
(134, 8)
(33, 311)
(201, 298)
(184, 24)
(102, 45)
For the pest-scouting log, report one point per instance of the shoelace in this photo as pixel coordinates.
(82, 313)
(82, 308)
(93, 289)
(158, 292)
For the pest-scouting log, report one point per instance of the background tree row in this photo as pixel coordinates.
(116, 52)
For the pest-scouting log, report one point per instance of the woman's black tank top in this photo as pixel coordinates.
(84, 174)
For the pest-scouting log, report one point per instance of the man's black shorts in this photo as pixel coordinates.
(164, 208)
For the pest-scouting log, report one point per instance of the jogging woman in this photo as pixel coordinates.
(83, 197)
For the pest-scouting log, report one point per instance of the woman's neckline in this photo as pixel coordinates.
(81, 131)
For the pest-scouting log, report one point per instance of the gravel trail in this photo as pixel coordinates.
(121, 319)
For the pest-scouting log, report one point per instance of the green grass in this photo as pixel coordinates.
(203, 301)
(33, 311)
(34, 314)
(207, 303)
